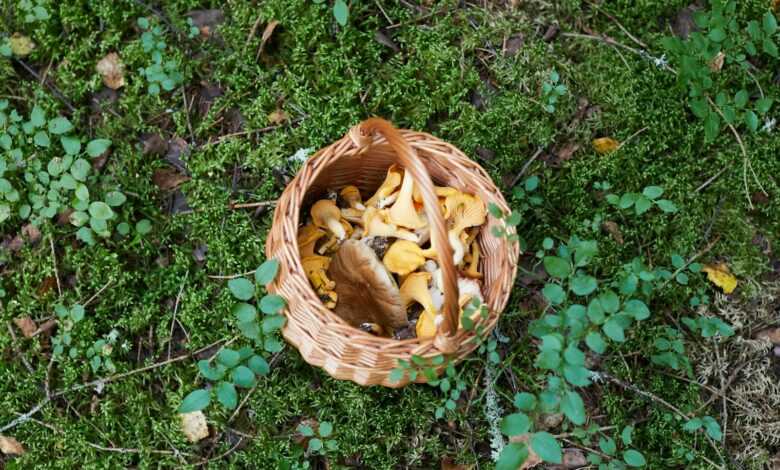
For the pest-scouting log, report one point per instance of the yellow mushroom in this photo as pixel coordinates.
(403, 257)
(375, 224)
(403, 213)
(388, 187)
(333, 241)
(307, 239)
(465, 211)
(441, 191)
(316, 270)
(326, 214)
(352, 215)
(473, 269)
(415, 289)
(351, 194)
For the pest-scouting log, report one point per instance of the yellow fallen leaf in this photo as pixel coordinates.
(194, 426)
(112, 70)
(720, 275)
(277, 117)
(605, 145)
(21, 45)
(10, 446)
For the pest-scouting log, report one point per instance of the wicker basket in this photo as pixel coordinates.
(361, 158)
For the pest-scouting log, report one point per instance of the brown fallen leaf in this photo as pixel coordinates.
(26, 325)
(604, 145)
(720, 275)
(112, 70)
(10, 446)
(533, 458)
(383, 38)
(717, 62)
(776, 7)
(267, 33)
(277, 117)
(683, 23)
(613, 229)
(567, 151)
(194, 426)
(513, 44)
(771, 334)
(447, 463)
(21, 45)
(31, 233)
(168, 179)
(153, 144)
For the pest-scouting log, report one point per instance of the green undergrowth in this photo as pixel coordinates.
(450, 77)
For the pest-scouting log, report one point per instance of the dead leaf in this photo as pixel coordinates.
(720, 275)
(551, 33)
(206, 20)
(567, 151)
(604, 145)
(277, 117)
(533, 458)
(32, 233)
(112, 70)
(513, 44)
(384, 39)
(267, 32)
(21, 45)
(717, 62)
(776, 7)
(573, 458)
(194, 426)
(26, 325)
(168, 179)
(683, 24)
(448, 464)
(613, 229)
(10, 446)
(153, 144)
(771, 334)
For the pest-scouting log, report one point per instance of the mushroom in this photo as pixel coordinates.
(375, 224)
(352, 215)
(366, 291)
(351, 194)
(441, 191)
(326, 214)
(403, 257)
(315, 268)
(473, 269)
(415, 289)
(403, 212)
(307, 239)
(388, 187)
(466, 211)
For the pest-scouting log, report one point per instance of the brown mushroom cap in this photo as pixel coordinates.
(366, 291)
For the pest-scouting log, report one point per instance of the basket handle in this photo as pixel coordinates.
(362, 136)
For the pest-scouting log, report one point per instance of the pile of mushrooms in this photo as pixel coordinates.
(357, 253)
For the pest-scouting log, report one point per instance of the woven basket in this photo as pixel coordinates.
(361, 158)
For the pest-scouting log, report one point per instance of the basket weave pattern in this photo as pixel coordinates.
(361, 158)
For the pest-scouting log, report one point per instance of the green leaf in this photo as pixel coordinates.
(143, 226)
(228, 357)
(241, 288)
(711, 126)
(653, 192)
(576, 375)
(513, 455)
(627, 200)
(642, 205)
(751, 120)
(80, 169)
(583, 285)
(272, 303)
(596, 342)
(244, 312)
(625, 436)
(259, 365)
(77, 313)
(637, 309)
(547, 447)
(143, 23)
(37, 116)
(693, 425)
(60, 125)
(341, 12)
(267, 272)
(326, 429)
(717, 35)
(98, 147)
(273, 323)
(209, 372)
(41, 139)
(607, 445)
(305, 430)
(396, 375)
(243, 377)
(614, 330)
(272, 345)
(226, 395)
(554, 293)
(713, 428)
(495, 211)
(71, 145)
(100, 210)
(515, 424)
(666, 205)
(741, 98)
(195, 401)
(557, 267)
(548, 360)
(769, 23)
(596, 311)
(525, 401)
(573, 407)
(763, 105)
(633, 458)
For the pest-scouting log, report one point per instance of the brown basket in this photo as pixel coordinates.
(362, 158)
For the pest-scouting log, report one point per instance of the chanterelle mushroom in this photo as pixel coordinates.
(315, 268)
(307, 238)
(326, 214)
(351, 195)
(367, 292)
(388, 187)
(403, 212)
(473, 269)
(466, 211)
(415, 289)
(375, 224)
(403, 257)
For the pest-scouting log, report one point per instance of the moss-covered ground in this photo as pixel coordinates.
(468, 72)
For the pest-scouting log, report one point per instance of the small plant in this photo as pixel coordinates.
(708, 423)
(340, 11)
(552, 90)
(33, 11)
(99, 353)
(231, 368)
(67, 318)
(670, 351)
(192, 30)
(163, 73)
(321, 441)
(708, 327)
(642, 202)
